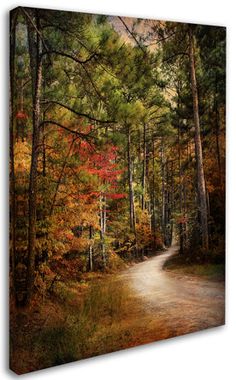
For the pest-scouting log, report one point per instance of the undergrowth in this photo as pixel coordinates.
(70, 333)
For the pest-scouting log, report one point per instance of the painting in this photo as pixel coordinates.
(117, 183)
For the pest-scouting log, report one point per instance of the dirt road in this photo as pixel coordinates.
(163, 304)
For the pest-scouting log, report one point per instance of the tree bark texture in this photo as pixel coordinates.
(130, 179)
(12, 165)
(198, 147)
(36, 71)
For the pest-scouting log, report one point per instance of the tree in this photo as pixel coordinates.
(198, 146)
(13, 21)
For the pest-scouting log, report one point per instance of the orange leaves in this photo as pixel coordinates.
(80, 244)
(182, 219)
(143, 228)
(69, 235)
(22, 158)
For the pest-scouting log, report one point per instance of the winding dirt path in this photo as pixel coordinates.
(164, 304)
(139, 305)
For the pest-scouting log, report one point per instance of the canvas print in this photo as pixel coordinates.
(117, 183)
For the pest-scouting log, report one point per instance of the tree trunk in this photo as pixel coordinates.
(60, 177)
(34, 48)
(130, 178)
(90, 249)
(102, 231)
(181, 230)
(217, 134)
(171, 202)
(104, 214)
(153, 195)
(12, 166)
(198, 147)
(167, 201)
(43, 127)
(163, 191)
(144, 167)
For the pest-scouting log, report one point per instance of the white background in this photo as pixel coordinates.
(205, 355)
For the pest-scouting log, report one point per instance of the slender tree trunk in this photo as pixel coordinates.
(198, 146)
(217, 135)
(144, 166)
(60, 177)
(144, 175)
(104, 215)
(171, 202)
(153, 195)
(181, 237)
(130, 178)
(102, 231)
(185, 211)
(90, 249)
(167, 202)
(163, 195)
(35, 46)
(43, 127)
(12, 166)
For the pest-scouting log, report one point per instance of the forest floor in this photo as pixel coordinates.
(138, 305)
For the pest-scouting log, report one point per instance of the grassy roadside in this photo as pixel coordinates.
(209, 267)
(76, 322)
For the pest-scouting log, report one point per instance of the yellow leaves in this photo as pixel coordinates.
(40, 284)
(22, 152)
(80, 244)
(143, 228)
(114, 261)
(89, 216)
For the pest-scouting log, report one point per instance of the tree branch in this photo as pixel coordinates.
(158, 41)
(72, 57)
(175, 55)
(79, 113)
(132, 35)
(53, 122)
(35, 27)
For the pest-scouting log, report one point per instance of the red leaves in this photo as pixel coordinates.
(96, 194)
(116, 195)
(89, 195)
(103, 165)
(21, 115)
(100, 162)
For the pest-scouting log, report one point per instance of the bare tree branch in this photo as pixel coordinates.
(34, 26)
(158, 41)
(78, 113)
(181, 54)
(132, 35)
(53, 122)
(70, 56)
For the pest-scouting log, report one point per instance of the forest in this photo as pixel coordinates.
(117, 154)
